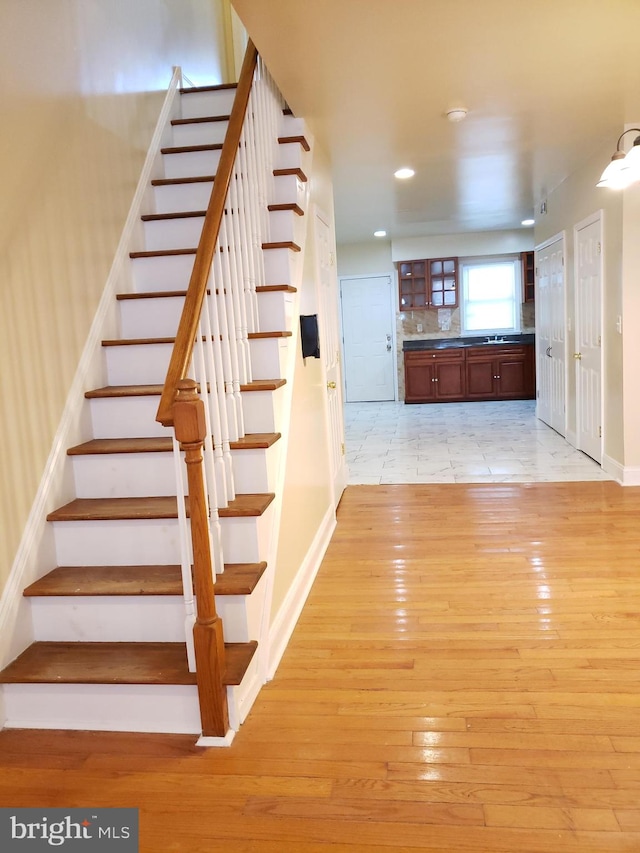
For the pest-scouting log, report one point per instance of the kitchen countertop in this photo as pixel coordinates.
(457, 343)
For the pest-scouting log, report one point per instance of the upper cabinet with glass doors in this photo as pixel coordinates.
(429, 283)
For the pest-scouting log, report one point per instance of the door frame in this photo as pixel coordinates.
(596, 216)
(556, 238)
(393, 323)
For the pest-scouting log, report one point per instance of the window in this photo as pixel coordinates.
(490, 288)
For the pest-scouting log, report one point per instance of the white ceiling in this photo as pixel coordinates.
(547, 83)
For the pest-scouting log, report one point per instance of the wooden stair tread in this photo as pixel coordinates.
(284, 244)
(176, 122)
(190, 90)
(117, 663)
(162, 444)
(169, 182)
(237, 579)
(183, 214)
(290, 206)
(109, 391)
(285, 140)
(188, 149)
(127, 342)
(291, 171)
(263, 385)
(156, 507)
(153, 294)
(161, 253)
(276, 288)
(100, 663)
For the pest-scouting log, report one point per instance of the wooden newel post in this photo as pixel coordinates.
(189, 421)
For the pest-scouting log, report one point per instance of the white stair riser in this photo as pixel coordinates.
(109, 619)
(150, 541)
(173, 233)
(242, 614)
(292, 126)
(125, 417)
(159, 317)
(199, 133)
(289, 189)
(104, 707)
(275, 311)
(174, 198)
(262, 411)
(150, 318)
(285, 225)
(190, 164)
(279, 266)
(138, 364)
(291, 155)
(169, 272)
(153, 474)
(268, 357)
(199, 104)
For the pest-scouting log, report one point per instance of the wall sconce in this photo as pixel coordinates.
(624, 169)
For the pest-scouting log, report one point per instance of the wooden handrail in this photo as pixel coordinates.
(190, 427)
(188, 328)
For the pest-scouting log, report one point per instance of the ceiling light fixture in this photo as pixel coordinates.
(457, 114)
(404, 173)
(624, 169)
(380, 233)
(527, 222)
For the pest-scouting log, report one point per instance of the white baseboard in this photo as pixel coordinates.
(291, 608)
(613, 467)
(227, 740)
(572, 437)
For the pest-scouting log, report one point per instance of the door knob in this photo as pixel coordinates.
(331, 385)
(577, 356)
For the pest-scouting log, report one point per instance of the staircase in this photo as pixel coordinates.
(110, 631)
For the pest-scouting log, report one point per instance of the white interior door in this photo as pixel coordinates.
(588, 341)
(329, 332)
(551, 359)
(367, 333)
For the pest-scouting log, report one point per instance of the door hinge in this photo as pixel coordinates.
(342, 448)
(599, 432)
(599, 248)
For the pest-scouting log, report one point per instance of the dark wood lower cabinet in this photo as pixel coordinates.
(489, 372)
(434, 377)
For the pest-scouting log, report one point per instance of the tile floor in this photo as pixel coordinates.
(458, 443)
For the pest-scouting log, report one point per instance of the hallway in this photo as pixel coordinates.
(502, 442)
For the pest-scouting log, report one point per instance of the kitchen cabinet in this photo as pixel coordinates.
(429, 283)
(528, 276)
(499, 372)
(434, 376)
(470, 372)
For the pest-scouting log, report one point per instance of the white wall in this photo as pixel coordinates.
(80, 90)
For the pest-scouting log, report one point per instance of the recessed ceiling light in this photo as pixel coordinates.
(379, 233)
(404, 173)
(457, 114)
(528, 222)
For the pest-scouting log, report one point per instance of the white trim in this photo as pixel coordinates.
(561, 235)
(227, 740)
(624, 476)
(285, 621)
(15, 633)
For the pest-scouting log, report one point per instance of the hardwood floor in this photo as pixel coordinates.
(465, 678)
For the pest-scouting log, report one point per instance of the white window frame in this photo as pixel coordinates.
(487, 260)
